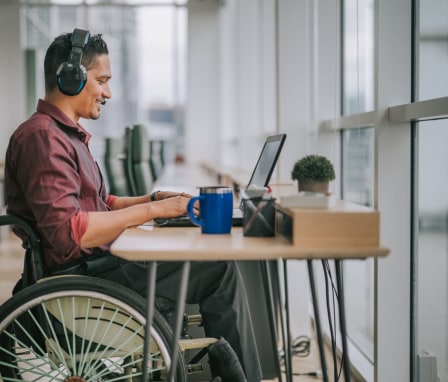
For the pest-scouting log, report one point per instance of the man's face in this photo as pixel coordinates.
(96, 90)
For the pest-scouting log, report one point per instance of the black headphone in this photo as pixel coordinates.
(71, 75)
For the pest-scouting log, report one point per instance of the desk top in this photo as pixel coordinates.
(188, 243)
(150, 242)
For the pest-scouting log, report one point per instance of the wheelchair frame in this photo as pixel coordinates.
(78, 328)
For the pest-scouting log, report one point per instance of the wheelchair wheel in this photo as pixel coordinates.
(77, 328)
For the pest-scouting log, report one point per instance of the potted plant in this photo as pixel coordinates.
(313, 173)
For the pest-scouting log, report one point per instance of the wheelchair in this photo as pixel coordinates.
(79, 328)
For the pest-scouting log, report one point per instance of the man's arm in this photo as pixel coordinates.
(104, 227)
(128, 201)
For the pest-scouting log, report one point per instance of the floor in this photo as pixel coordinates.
(11, 258)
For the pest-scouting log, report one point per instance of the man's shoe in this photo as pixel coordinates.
(224, 362)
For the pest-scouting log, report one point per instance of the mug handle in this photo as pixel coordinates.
(190, 212)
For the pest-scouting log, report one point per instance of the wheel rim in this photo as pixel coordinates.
(76, 338)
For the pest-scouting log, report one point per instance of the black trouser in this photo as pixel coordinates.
(216, 286)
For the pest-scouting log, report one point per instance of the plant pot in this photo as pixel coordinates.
(320, 187)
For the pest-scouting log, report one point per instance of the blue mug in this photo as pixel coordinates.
(215, 209)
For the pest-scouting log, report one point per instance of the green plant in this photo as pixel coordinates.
(313, 168)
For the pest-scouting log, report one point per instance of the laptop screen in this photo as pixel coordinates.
(267, 161)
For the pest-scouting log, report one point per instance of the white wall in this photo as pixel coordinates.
(12, 69)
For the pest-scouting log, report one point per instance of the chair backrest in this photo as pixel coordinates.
(157, 158)
(114, 157)
(34, 266)
(140, 153)
(128, 163)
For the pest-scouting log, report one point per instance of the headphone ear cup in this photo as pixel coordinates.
(71, 78)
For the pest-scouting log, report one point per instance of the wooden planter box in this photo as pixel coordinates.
(341, 225)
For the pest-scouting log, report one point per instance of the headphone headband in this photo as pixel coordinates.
(80, 38)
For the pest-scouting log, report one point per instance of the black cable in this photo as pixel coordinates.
(315, 374)
(337, 374)
(335, 291)
(327, 269)
(332, 320)
(301, 346)
(333, 286)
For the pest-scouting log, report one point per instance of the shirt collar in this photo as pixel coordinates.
(56, 113)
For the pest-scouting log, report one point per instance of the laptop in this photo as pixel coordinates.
(260, 177)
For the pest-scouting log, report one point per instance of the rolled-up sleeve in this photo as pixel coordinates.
(78, 224)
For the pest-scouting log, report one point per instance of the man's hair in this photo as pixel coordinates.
(59, 50)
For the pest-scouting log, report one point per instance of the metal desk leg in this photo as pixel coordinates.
(180, 308)
(150, 300)
(317, 321)
(150, 303)
(267, 281)
(342, 322)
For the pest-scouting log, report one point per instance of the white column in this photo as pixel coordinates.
(294, 88)
(202, 133)
(393, 75)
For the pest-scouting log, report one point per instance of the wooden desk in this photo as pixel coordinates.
(185, 244)
(179, 244)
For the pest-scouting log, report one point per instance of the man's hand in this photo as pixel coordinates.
(161, 195)
(171, 204)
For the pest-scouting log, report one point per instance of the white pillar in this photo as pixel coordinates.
(202, 133)
(393, 142)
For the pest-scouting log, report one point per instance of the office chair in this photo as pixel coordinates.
(140, 154)
(113, 161)
(157, 158)
(128, 163)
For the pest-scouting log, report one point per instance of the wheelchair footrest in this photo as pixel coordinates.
(196, 343)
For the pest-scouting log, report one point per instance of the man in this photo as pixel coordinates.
(54, 183)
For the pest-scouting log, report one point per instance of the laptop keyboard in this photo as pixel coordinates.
(185, 221)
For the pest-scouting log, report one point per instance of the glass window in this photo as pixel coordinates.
(432, 46)
(357, 187)
(358, 161)
(358, 63)
(147, 53)
(431, 296)
(431, 185)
